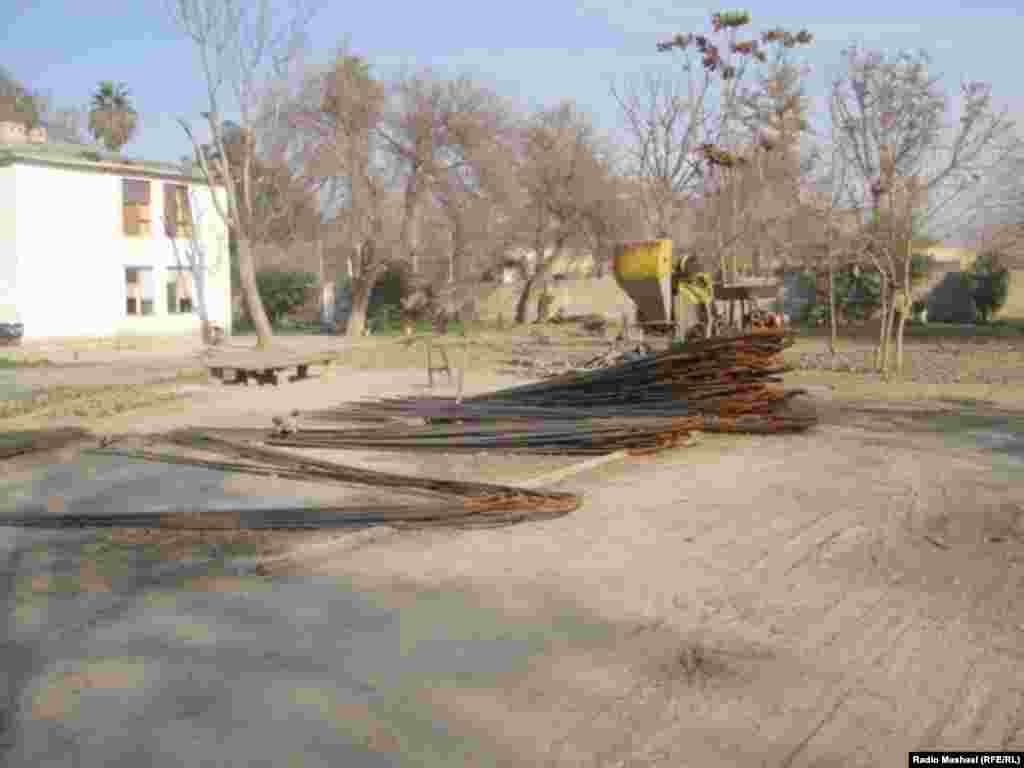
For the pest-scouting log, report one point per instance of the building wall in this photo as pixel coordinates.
(73, 253)
(8, 237)
(1014, 309)
(575, 296)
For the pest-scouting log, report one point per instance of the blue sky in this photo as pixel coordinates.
(533, 51)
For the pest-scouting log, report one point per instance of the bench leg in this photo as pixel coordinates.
(430, 366)
(447, 366)
(302, 372)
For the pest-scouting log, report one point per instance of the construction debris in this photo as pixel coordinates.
(284, 426)
(615, 357)
(449, 503)
(646, 403)
(639, 402)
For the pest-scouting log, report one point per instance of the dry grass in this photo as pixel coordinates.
(488, 350)
(86, 403)
(16, 360)
(860, 387)
(975, 358)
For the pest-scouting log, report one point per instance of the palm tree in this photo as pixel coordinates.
(112, 118)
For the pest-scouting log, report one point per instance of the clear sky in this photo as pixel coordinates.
(534, 51)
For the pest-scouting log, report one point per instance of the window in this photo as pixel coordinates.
(177, 211)
(135, 201)
(139, 290)
(179, 290)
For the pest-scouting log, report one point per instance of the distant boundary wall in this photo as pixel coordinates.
(574, 296)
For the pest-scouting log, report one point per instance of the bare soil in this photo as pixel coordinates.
(834, 598)
(837, 598)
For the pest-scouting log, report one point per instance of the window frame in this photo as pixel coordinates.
(142, 301)
(176, 225)
(144, 223)
(171, 279)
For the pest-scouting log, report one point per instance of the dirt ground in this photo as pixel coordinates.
(835, 598)
(854, 597)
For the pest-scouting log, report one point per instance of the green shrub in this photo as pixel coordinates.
(384, 320)
(952, 300)
(283, 291)
(388, 291)
(989, 283)
(921, 266)
(858, 297)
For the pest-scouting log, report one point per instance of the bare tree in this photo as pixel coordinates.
(18, 104)
(185, 230)
(913, 167)
(340, 119)
(664, 117)
(474, 172)
(239, 44)
(828, 222)
(725, 132)
(568, 182)
(997, 214)
(21, 104)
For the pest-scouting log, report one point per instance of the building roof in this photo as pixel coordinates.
(85, 158)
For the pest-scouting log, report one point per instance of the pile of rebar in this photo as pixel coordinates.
(447, 503)
(721, 385)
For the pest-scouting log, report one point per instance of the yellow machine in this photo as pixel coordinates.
(671, 298)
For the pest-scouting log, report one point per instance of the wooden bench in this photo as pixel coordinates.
(264, 371)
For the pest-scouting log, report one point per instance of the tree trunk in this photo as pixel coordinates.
(888, 333)
(250, 291)
(537, 280)
(362, 287)
(199, 283)
(410, 220)
(883, 297)
(899, 343)
(601, 259)
(904, 304)
(832, 310)
(523, 304)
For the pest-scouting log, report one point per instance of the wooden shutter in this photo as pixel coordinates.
(131, 219)
(136, 191)
(171, 209)
(184, 211)
(135, 204)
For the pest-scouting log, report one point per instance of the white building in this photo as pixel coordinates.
(92, 244)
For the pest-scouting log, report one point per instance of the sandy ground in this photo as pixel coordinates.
(836, 598)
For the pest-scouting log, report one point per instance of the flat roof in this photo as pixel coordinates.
(86, 158)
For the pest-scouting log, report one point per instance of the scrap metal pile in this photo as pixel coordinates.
(641, 405)
(438, 502)
(649, 403)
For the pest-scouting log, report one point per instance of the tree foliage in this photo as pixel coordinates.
(989, 284)
(113, 120)
(283, 290)
(17, 103)
(858, 297)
